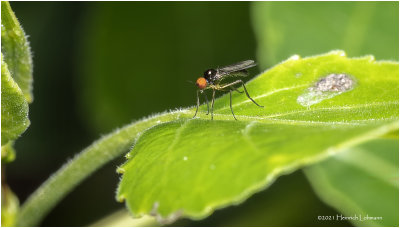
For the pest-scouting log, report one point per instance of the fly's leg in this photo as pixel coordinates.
(230, 93)
(245, 90)
(212, 104)
(208, 106)
(198, 104)
(236, 89)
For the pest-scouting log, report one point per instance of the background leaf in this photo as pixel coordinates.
(305, 28)
(191, 167)
(362, 181)
(16, 50)
(14, 107)
(16, 92)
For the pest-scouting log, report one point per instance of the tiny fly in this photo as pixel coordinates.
(213, 77)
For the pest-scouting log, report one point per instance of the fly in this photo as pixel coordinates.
(212, 80)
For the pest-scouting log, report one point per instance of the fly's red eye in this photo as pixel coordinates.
(201, 83)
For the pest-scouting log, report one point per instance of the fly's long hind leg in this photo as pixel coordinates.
(208, 106)
(245, 90)
(236, 89)
(212, 105)
(230, 93)
(198, 104)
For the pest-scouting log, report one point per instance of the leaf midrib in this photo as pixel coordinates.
(269, 120)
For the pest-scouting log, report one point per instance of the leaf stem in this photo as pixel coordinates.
(122, 218)
(82, 165)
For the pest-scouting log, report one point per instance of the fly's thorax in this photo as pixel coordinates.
(211, 75)
(215, 87)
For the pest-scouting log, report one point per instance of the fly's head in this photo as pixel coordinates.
(208, 79)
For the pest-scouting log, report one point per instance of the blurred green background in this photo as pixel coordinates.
(101, 65)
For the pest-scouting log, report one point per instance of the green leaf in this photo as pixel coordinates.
(190, 167)
(14, 107)
(7, 152)
(9, 206)
(16, 50)
(306, 28)
(362, 181)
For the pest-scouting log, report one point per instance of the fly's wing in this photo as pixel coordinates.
(236, 70)
(237, 66)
